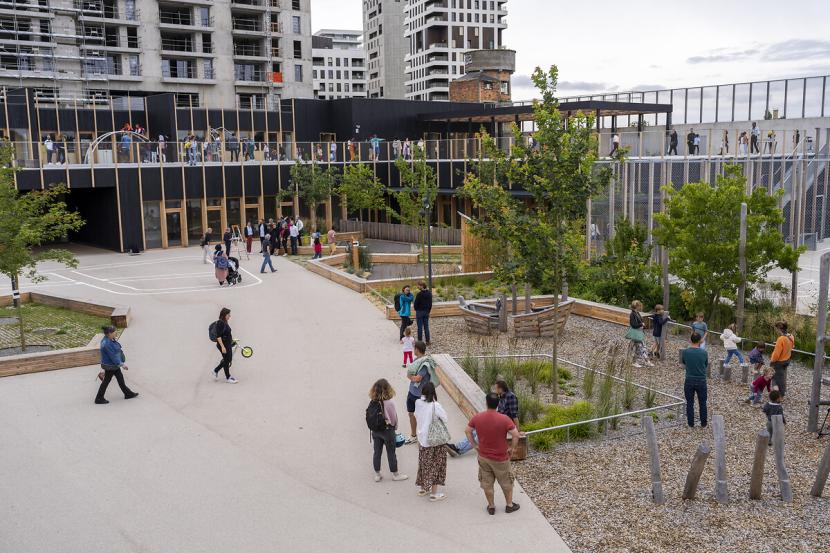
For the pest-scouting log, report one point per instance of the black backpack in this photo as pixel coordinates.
(213, 331)
(397, 301)
(375, 417)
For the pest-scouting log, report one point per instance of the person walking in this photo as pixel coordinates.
(224, 343)
(50, 148)
(696, 361)
(494, 454)
(300, 226)
(781, 354)
(383, 420)
(233, 147)
(690, 142)
(615, 144)
(408, 343)
(262, 229)
(724, 143)
(112, 361)
(404, 304)
(730, 343)
(637, 336)
(423, 306)
(755, 134)
(318, 249)
(266, 257)
(658, 319)
(227, 238)
(206, 249)
(249, 236)
(432, 457)
(221, 264)
(673, 142)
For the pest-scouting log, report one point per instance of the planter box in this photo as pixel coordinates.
(27, 363)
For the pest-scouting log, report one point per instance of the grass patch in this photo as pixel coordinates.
(73, 329)
(556, 415)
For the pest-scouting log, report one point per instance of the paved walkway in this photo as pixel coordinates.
(279, 462)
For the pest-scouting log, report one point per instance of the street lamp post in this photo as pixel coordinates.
(427, 211)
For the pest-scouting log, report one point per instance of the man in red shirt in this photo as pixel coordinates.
(493, 453)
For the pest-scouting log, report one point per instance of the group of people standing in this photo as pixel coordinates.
(749, 142)
(486, 432)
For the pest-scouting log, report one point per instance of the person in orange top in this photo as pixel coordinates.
(780, 358)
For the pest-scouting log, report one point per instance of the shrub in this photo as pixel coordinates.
(493, 367)
(471, 366)
(588, 379)
(530, 408)
(650, 397)
(629, 390)
(557, 415)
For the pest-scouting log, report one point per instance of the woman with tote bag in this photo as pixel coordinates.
(636, 334)
(432, 435)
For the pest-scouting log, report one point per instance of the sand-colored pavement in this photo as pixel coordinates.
(279, 462)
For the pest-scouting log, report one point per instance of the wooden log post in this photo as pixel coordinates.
(727, 373)
(721, 367)
(780, 467)
(654, 455)
(514, 292)
(696, 470)
(822, 473)
(528, 308)
(503, 313)
(721, 489)
(745, 373)
(761, 445)
(356, 255)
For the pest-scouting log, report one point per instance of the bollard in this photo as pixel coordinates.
(821, 474)
(780, 468)
(355, 255)
(721, 367)
(698, 464)
(721, 490)
(761, 445)
(744, 374)
(654, 455)
(727, 373)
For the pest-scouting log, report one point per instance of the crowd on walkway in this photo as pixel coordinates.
(749, 142)
(697, 363)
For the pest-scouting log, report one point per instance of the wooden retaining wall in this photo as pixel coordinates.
(400, 258)
(583, 308)
(401, 233)
(27, 363)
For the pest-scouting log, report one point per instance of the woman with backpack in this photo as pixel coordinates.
(432, 435)
(220, 261)
(382, 419)
(221, 331)
(403, 304)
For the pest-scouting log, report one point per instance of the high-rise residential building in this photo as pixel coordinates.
(219, 53)
(386, 47)
(439, 33)
(338, 64)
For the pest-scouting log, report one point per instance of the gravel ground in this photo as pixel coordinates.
(597, 494)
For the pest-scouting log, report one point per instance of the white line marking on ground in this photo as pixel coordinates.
(159, 291)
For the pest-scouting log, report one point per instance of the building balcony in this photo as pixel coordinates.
(246, 26)
(248, 5)
(184, 22)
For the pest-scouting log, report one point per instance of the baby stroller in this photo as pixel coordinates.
(233, 271)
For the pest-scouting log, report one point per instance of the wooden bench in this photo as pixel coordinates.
(479, 318)
(542, 323)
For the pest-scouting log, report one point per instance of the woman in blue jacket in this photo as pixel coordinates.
(405, 300)
(112, 361)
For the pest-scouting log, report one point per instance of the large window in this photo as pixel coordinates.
(194, 220)
(152, 225)
(295, 24)
(298, 73)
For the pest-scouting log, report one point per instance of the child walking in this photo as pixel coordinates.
(756, 389)
(701, 328)
(658, 319)
(773, 407)
(382, 393)
(730, 343)
(756, 356)
(408, 346)
(318, 249)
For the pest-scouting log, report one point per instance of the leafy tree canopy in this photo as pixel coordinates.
(417, 182)
(361, 189)
(701, 228)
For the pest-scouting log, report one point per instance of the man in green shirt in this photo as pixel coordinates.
(696, 361)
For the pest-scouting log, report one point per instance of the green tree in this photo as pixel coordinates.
(559, 175)
(361, 189)
(315, 185)
(27, 222)
(626, 275)
(417, 182)
(700, 227)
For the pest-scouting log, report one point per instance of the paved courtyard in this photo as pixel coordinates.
(279, 462)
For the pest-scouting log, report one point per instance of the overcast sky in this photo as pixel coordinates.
(606, 45)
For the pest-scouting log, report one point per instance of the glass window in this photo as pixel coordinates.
(741, 102)
(298, 73)
(233, 211)
(678, 100)
(152, 224)
(813, 105)
(295, 24)
(776, 99)
(269, 204)
(795, 98)
(759, 101)
(708, 100)
(693, 106)
(725, 103)
(194, 220)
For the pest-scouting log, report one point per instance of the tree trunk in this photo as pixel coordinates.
(554, 373)
(19, 308)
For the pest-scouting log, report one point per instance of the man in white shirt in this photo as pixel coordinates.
(294, 233)
(299, 224)
(50, 148)
(615, 144)
(755, 133)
